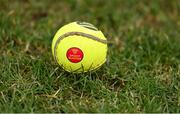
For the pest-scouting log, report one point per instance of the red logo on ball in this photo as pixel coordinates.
(74, 55)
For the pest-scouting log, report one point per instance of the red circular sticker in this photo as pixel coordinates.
(74, 55)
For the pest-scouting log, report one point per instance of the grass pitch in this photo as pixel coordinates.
(142, 73)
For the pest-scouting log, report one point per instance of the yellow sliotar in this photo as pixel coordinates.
(79, 47)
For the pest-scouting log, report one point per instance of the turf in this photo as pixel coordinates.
(142, 73)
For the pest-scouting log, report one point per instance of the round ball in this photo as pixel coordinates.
(79, 47)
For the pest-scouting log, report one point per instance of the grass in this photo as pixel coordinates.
(143, 69)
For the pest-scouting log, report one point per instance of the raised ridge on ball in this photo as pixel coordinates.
(87, 25)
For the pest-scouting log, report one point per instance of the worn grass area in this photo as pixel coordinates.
(143, 69)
